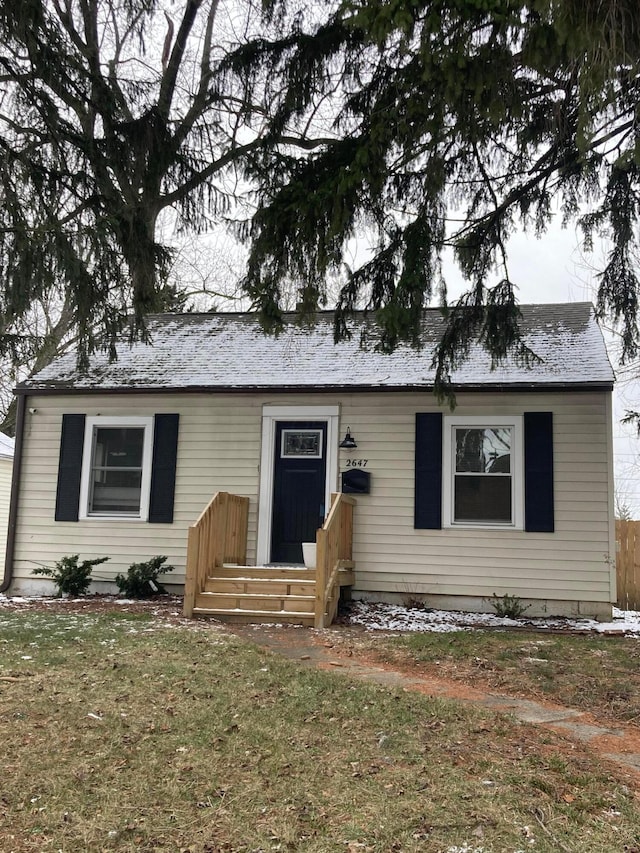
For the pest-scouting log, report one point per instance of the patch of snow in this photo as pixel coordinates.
(392, 617)
(372, 616)
(464, 849)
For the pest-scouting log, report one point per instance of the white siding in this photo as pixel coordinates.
(219, 449)
(6, 468)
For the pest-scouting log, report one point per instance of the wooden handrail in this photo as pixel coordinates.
(334, 547)
(219, 536)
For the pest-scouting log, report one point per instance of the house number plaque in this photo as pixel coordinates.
(357, 463)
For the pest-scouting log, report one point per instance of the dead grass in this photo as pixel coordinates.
(118, 733)
(600, 675)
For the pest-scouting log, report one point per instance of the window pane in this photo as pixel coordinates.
(483, 451)
(116, 491)
(117, 447)
(116, 471)
(486, 499)
(302, 442)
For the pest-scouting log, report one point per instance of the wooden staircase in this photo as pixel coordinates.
(262, 594)
(259, 594)
(220, 585)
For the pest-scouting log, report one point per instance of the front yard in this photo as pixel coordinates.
(581, 669)
(128, 732)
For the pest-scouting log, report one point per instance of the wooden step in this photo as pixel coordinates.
(263, 602)
(236, 593)
(257, 616)
(266, 594)
(260, 586)
(264, 572)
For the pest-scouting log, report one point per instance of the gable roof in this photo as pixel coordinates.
(227, 351)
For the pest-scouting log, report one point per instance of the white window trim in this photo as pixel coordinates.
(147, 450)
(271, 414)
(514, 422)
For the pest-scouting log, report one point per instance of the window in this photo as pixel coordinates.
(301, 443)
(482, 471)
(116, 470)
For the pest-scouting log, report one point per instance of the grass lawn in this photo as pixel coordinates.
(118, 733)
(592, 673)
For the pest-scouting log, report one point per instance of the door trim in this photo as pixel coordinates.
(270, 416)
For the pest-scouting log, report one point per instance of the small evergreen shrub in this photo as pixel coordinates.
(508, 606)
(412, 602)
(141, 580)
(70, 576)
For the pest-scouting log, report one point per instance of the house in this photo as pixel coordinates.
(510, 492)
(6, 467)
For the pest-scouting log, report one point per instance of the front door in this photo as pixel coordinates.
(299, 487)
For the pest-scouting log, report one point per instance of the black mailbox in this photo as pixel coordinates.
(355, 481)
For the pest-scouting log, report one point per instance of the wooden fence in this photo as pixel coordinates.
(628, 564)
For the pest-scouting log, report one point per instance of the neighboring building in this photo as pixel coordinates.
(512, 492)
(6, 468)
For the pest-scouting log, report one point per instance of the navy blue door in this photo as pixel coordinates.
(298, 487)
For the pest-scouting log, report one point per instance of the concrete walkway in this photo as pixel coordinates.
(315, 648)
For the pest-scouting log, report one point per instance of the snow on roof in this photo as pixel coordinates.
(230, 351)
(6, 446)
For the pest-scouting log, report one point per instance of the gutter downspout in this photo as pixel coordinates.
(15, 493)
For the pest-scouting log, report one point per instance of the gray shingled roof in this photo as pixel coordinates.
(229, 351)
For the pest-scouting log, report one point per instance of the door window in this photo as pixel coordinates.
(301, 444)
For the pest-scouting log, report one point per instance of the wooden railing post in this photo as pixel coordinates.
(235, 549)
(193, 548)
(220, 531)
(321, 576)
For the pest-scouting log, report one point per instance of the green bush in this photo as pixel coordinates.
(508, 606)
(70, 576)
(141, 580)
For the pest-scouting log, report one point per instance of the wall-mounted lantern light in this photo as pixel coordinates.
(348, 442)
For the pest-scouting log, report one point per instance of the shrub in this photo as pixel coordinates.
(508, 606)
(412, 602)
(141, 580)
(70, 576)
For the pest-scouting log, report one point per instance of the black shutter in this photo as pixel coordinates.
(538, 472)
(428, 490)
(163, 470)
(70, 468)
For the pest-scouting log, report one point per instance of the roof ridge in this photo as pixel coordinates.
(358, 311)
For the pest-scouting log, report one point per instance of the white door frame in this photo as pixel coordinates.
(271, 414)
